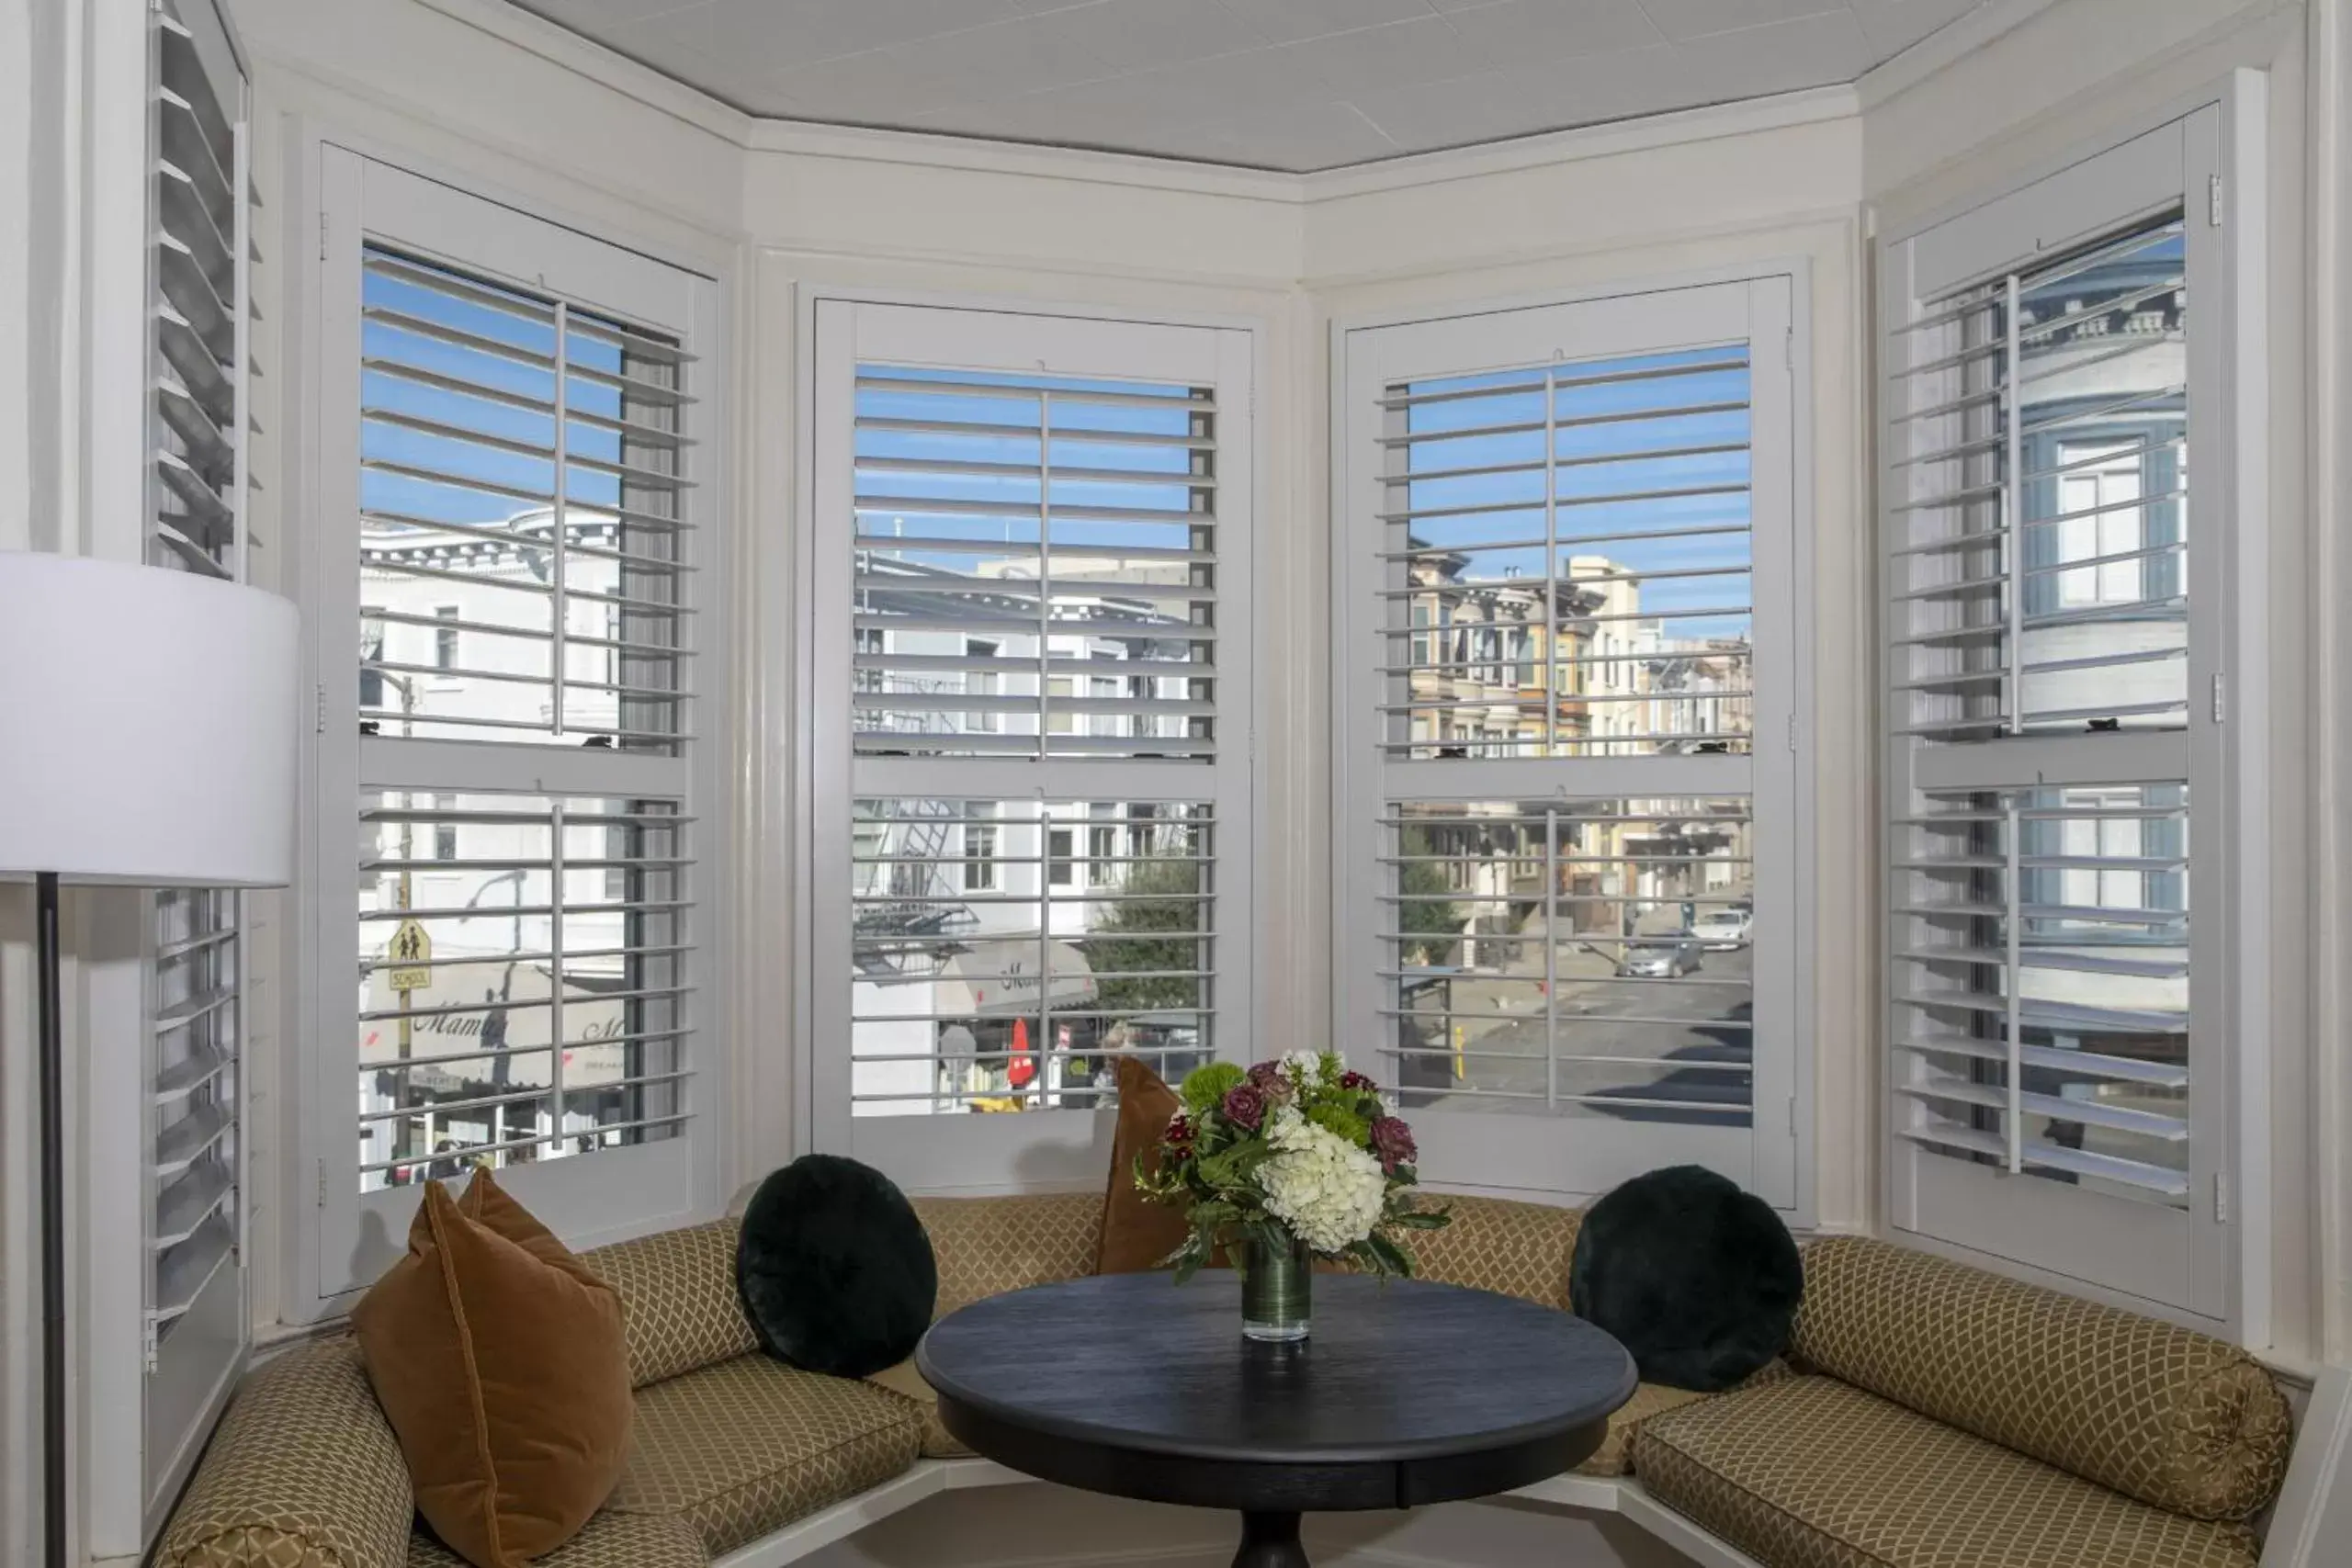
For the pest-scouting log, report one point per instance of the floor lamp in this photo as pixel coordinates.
(147, 740)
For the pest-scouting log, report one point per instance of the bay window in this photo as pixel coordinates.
(1566, 910)
(2059, 623)
(510, 887)
(1031, 625)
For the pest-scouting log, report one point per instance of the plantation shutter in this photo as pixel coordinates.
(202, 279)
(2053, 620)
(1033, 619)
(1567, 581)
(520, 734)
(192, 1309)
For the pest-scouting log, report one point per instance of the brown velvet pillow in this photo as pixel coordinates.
(1136, 1231)
(499, 1358)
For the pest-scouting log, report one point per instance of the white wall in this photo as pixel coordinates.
(40, 55)
(21, 61)
(2329, 183)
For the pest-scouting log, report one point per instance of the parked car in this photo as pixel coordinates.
(1659, 960)
(1720, 930)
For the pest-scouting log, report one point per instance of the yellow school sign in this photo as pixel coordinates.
(411, 955)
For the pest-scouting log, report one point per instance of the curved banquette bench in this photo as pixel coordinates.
(1933, 1416)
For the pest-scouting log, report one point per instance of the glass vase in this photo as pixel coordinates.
(1277, 1290)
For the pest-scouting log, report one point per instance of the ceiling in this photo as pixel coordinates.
(1292, 84)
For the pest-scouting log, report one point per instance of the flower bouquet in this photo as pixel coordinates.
(1281, 1163)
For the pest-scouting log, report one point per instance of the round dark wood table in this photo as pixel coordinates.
(1405, 1393)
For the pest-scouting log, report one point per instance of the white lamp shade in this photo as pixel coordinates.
(147, 725)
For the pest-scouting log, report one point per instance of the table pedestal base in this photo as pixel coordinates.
(1270, 1541)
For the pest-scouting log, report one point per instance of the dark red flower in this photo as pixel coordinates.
(1392, 1142)
(1245, 1107)
(1179, 1135)
(1351, 1079)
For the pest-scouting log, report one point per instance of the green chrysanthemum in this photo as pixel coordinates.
(1204, 1086)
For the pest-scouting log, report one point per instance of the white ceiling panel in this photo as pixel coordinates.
(1136, 34)
(1528, 32)
(1287, 21)
(1345, 65)
(1681, 19)
(1291, 84)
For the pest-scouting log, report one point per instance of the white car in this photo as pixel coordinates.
(1720, 930)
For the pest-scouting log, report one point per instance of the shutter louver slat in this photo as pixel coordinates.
(1569, 567)
(2042, 998)
(524, 544)
(1631, 1001)
(543, 1015)
(1086, 625)
(958, 906)
(2047, 437)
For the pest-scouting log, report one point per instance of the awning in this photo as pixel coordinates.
(999, 979)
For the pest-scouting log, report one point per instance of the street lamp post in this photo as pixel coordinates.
(403, 1128)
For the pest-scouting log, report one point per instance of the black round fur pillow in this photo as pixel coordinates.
(1697, 1280)
(834, 1269)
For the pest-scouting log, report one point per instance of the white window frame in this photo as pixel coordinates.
(2207, 1265)
(839, 329)
(1579, 1157)
(617, 1192)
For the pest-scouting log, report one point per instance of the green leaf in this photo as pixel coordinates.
(1394, 1259)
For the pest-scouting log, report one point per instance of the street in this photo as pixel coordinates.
(1661, 1049)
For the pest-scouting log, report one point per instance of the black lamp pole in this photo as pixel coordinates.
(52, 1225)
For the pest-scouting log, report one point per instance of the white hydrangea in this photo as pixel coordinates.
(1304, 1069)
(1326, 1191)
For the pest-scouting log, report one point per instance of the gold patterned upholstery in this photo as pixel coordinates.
(1501, 1245)
(609, 1541)
(1810, 1472)
(988, 1246)
(679, 1309)
(2175, 1418)
(304, 1472)
(1615, 1454)
(745, 1447)
(902, 1380)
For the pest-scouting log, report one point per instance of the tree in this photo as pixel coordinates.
(1155, 928)
(1436, 922)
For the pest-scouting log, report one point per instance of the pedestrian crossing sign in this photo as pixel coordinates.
(411, 955)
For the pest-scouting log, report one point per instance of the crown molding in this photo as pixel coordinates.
(1961, 36)
(1607, 138)
(583, 56)
(980, 154)
(562, 47)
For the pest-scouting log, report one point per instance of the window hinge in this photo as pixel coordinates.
(319, 725)
(151, 1346)
(2220, 1197)
(322, 1167)
(1792, 1116)
(1792, 732)
(2213, 200)
(2221, 696)
(322, 235)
